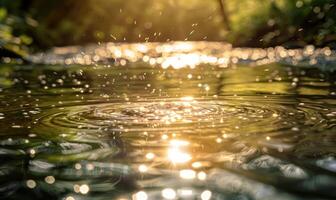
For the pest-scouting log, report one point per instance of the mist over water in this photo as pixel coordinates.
(169, 121)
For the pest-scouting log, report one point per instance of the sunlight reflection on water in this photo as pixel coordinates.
(186, 54)
(168, 121)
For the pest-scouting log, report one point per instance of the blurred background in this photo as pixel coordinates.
(34, 25)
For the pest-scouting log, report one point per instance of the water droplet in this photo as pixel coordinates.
(31, 184)
(168, 193)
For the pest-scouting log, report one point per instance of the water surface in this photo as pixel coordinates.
(181, 123)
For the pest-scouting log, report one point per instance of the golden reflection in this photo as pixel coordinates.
(141, 195)
(143, 168)
(201, 176)
(49, 179)
(206, 195)
(164, 137)
(78, 166)
(150, 156)
(182, 54)
(176, 151)
(187, 174)
(196, 165)
(173, 112)
(31, 184)
(84, 189)
(187, 99)
(186, 192)
(168, 193)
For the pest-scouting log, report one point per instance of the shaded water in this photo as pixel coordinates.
(198, 127)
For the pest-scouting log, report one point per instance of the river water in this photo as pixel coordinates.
(169, 121)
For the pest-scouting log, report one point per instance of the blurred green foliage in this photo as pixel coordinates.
(13, 41)
(73, 21)
(293, 23)
(259, 23)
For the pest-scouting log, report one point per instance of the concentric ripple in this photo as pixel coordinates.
(232, 115)
(142, 132)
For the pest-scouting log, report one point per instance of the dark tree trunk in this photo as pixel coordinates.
(224, 14)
